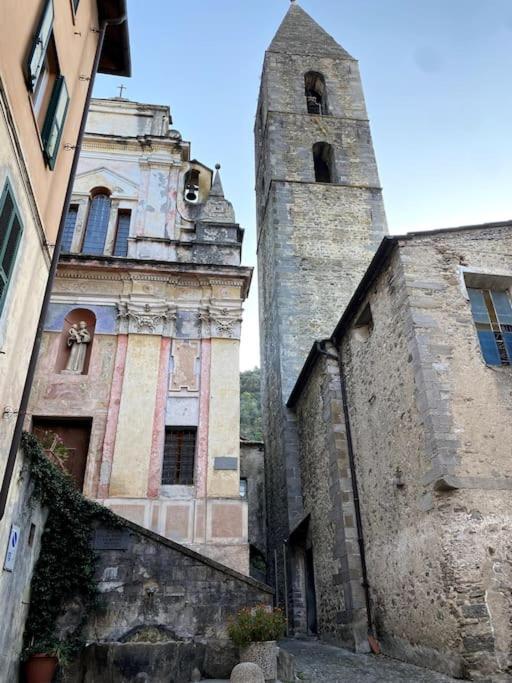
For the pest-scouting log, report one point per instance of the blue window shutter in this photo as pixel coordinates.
(10, 235)
(39, 45)
(489, 347)
(54, 120)
(97, 225)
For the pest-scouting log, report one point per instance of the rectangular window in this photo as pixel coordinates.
(179, 456)
(243, 488)
(123, 231)
(47, 85)
(492, 313)
(10, 235)
(39, 48)
(69, 229)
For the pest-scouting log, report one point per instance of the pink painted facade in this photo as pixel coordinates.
(165, 307)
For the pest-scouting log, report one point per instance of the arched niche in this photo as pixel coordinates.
(75, 317)
(323, 159)
(316, 93)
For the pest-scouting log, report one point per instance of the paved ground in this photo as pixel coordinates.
(319, 663)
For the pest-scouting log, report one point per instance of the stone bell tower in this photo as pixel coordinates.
(320, 218)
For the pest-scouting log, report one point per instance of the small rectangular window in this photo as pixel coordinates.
(123, 231)
(10, 235)
(492, 314)
(243, 488)
(69, 229)
(179, 456)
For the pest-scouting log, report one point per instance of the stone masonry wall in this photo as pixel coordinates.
(147, 581)
(328, 499)
(431, 430)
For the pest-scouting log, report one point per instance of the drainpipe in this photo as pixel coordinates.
(18, 429)
(353, 475)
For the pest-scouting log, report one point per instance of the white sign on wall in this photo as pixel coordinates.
(12, 547)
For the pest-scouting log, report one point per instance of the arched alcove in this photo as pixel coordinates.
(323, 158)
(316, 93)
(72, 319)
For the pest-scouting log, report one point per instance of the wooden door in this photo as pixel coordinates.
(75, 435)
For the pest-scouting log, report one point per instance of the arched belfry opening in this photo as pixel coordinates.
(323, 157)
(316, 93)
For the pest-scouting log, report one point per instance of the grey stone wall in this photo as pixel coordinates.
(146, 580)
(314, 240)
(328, 500)
(432, 433)
(252, 468)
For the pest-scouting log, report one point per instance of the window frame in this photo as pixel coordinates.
(15, 215)
(488, 324)
(41, 44)
(176, 480)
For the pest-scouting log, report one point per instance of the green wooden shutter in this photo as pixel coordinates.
(10, 234)
(39, 46)
(54, 120)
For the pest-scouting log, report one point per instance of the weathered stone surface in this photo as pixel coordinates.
(247, 672)
(315, 239)
(319, 663)
(158, 590)
(286, 672)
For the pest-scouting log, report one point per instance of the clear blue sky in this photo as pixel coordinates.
(437, 79)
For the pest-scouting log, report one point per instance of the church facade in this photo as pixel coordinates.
(138, 374)
(387, 439)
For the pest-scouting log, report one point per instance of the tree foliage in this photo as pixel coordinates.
(250, 405)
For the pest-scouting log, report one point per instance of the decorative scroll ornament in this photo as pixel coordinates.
(146, 317)
(225, 322)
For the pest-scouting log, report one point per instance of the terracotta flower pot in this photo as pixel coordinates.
(264, 655)
(40, 668)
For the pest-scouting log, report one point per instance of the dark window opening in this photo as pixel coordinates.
(363, 325)
(97, 224)
(69, 228)
(315, 93)
(10, 237)
(192, 186)
(492, 313)
(179, 456)
(123, 232)
(31, 535)
(323, 157)
(243, 488)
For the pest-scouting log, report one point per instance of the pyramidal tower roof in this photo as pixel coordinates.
(299, 34)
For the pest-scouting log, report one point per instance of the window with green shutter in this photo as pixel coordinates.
(49, 93)
(10, 234)
(39, 47)
(54, 120)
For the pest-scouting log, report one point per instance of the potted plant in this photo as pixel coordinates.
(41, 660)
(255, 631)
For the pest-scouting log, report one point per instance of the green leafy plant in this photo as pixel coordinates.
(256, 625)
(250, 408)
(64, 572)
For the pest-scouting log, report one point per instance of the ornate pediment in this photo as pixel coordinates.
(120, 186)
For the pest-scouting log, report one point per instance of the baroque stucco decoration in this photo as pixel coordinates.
(146, 317)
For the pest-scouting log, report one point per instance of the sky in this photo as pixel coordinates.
(436, 76)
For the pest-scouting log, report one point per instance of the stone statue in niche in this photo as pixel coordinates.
(78, 338)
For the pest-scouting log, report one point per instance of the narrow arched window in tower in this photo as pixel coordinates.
(323, 157)
(97, 222)
(316, 99)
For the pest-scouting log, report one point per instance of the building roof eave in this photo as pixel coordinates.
(115, 58)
